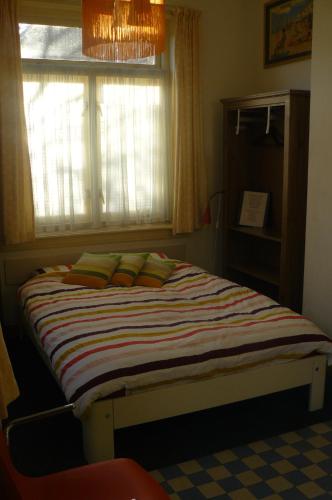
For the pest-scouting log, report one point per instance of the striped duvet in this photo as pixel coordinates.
(114, 341)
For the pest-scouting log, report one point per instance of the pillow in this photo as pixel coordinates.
(128, 268)
(60, 268)
(155, 272)
(92, 270)
(159, 255)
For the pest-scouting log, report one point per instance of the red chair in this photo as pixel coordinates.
(118, 479)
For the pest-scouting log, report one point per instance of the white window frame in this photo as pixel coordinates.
(91, 70)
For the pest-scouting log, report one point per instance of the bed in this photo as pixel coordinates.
(126, 356)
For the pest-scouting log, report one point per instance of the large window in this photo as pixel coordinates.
(97, 134)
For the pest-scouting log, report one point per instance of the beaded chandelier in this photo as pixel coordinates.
(121, 30)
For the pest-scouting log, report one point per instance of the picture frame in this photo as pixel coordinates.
(254, 209)
(288, 31)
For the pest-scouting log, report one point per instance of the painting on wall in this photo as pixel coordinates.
(288, 30)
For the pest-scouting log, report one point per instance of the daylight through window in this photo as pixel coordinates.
(97, 134)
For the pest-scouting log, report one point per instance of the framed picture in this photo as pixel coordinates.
(254, 208)
(288, 30)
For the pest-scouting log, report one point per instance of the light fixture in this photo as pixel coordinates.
(119, 30)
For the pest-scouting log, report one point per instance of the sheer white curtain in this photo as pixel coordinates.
(98, 150)
(56, 113)
(133, 149)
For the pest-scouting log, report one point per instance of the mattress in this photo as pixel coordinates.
(115, 341)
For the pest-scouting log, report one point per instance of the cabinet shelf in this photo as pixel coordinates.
(269, 145)
(255, 271)
(266, 152)
(257, 232)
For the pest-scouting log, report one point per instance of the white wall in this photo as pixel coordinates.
(232, 44)
(226, 52)
(232, 53)
(226, 71)
(318, 261)
(232, 65)
(293, 75)
(314, 74)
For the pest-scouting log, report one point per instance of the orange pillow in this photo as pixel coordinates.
(128, 268)
(92, 270)
(155, 272)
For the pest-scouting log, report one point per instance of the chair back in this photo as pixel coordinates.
(12, 483)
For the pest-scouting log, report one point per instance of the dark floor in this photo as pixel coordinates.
(55, 444)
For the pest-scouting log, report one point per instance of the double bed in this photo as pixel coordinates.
(126, 356)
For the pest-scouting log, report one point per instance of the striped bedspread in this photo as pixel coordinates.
(118, 340)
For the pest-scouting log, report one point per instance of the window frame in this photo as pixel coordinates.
(91, 70)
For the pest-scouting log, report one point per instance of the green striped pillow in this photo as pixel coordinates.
(155, 272)
(128, 268)
(93, 270)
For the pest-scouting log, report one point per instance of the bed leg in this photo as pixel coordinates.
(98, 432)
(317, 387)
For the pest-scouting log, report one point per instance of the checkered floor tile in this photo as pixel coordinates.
(291, 466)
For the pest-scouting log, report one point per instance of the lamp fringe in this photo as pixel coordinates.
(122, 30)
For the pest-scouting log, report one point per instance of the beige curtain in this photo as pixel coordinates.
(16, 203)
(8, 386)
(190, 183)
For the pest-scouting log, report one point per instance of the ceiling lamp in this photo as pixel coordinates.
(119, 30)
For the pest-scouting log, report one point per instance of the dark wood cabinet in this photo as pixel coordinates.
(265, 149)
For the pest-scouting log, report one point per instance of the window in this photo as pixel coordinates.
(97, 134)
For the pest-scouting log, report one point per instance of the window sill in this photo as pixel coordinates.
(114, 235)
(105, 230)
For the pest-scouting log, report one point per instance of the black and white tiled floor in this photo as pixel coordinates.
(292, 466)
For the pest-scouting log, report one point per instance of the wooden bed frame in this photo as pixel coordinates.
(107, 415)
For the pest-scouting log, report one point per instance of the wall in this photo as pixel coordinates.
(223, 60)
(318, 262)
(232, 44)
(314, 74)
(294, 75)
(226, 53)
(226, 47)
(233, 65)
(233, 52)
